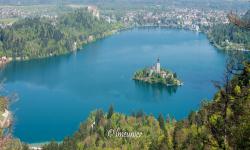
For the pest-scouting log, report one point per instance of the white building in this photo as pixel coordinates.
(155, 68)
(95, 12)
(158, 66)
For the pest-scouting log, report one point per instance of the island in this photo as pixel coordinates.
(157, 75)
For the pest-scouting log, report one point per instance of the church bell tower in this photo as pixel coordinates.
(158, 66)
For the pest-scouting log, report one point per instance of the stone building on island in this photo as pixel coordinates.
(157, 69)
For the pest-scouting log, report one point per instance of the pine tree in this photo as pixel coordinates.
(161, 122)
(110, 112)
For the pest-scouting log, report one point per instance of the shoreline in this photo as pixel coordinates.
(39, 145)
(112, 32)
(225, 47)
(167, 85)
(228, 47)
(83, 43)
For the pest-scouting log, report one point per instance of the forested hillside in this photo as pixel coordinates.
(223, 123)
(230, 36)
(40, 37)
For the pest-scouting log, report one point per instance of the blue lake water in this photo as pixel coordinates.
(56, 94)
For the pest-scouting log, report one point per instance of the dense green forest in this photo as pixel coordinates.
(231, 37)
(223, 123)
(40, 37)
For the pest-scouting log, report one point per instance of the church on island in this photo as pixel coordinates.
(157, 74)
(157, 69)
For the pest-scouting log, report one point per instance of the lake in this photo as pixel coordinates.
(56, 94)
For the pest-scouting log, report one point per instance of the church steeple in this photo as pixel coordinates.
(158, 65)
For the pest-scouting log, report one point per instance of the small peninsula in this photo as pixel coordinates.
(157, 75)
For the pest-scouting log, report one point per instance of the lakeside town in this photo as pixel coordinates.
(187, 18)
(175, 17)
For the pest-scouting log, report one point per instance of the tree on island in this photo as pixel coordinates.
(175, 75)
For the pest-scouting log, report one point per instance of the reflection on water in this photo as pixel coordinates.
(39, 71)
(156, 89)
